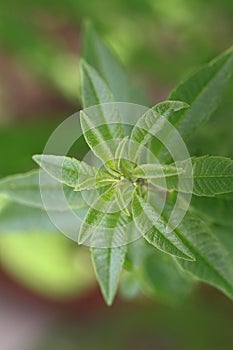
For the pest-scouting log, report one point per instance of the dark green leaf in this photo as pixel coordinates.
(210, 176)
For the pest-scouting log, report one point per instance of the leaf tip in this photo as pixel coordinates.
(37, 158)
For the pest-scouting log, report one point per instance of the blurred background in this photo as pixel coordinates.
(48, 294)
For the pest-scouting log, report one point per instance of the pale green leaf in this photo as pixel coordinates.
(65, 169)
(120, 152)
(152, 171)
(101, 138)
(151, 123)
(154, 228)
(74, 173)
(105, 225)
(101, 125)
(96, 216)
(96, 138)
(124, 195)
(108, 264)
(94, 183)
(18, 218)
(26, 189)
(94, 89)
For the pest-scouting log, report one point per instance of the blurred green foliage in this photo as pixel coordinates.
(159, 42)
(44, 261)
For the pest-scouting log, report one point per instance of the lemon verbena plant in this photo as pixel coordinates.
(134, 184)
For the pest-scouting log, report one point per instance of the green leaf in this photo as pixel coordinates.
(74, 173)
(150, 123)
(203, 91)
(211, 176)
(154, 229)
(101, 125)
(104, 225)
(95, 216)
(213, 264)
(157, 274)
(94, 89)
(17, 218)
(101, 139)
(152, 171)
(97, 54)
(124, 195)
(119, 154)
(26, 189)
(165, 108)
(130, 287)
(215, 210)
(108, 264)
(224, 235)
(94, 183)
(164, 280)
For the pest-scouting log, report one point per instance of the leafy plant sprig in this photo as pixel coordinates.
(193, 246)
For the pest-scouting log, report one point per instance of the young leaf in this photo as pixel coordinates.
(94, 183)
(152, 171)
(211, 176)
(74, 173)
(95, 216)
(153, 228)
(26, 189)
(203, 91)
(65, 169)
(150, 123)
(101, 139)
(124, 195)
(97, 54)
(166, 108)
(108, 264)
(102, 125)
(120, 152)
